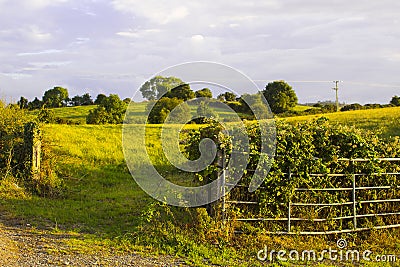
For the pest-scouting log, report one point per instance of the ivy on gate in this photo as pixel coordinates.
(303, 149)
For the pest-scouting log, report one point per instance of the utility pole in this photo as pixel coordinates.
(337, 94)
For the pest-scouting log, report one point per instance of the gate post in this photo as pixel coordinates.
(214, 208)
(354, 196)
(33, 149)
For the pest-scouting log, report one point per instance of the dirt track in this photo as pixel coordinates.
(20, 246)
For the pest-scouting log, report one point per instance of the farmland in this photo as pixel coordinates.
(102, 208)
(384, 121)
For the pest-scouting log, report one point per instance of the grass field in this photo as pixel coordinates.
(76, 114)
(301, 108)
(100, 189)
(384, 121)
(104, 208)
(136, 112)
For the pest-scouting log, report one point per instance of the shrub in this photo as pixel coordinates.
(354, 106)
(111, 110)
(205, 92)
(13, 157)
(395, 101)
(372, 106)
(162, 108)
(46, 116)
(11, 138)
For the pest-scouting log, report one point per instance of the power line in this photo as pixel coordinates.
(364, 84)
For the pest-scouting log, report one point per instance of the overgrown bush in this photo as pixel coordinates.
(12, 123)
(13, 157)
(303, 149)
(46, 116)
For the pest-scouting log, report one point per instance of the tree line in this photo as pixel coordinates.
(394, 102)
(59, 97)
(171, 92)
(165, 94)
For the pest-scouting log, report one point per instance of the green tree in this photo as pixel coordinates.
(280, 96)
(84, 100)
(395, 101)
(100, 98)
(35, 104)
(111, 110)
(56, 97)
(76, 101)
(158, 86)
(227, 96)
(127, 100)
(254, 104)
(205, 92)
(23, 103)
(164, 106)
(87, 100)
(230, 96)
(182, 91)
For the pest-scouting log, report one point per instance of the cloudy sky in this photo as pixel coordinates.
(100, 46)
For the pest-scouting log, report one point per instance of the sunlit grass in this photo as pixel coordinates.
(301, 108)
(75, 114)
(384, 121)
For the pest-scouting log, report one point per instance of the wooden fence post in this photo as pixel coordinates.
(33, 149)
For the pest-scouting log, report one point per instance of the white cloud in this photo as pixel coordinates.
(80, 41)
(26, 33)
(161, 12)
(39, 3)
(137, 33)
(44, 52)
(16, 76)
(197, 38)
(33, 32)
(50, 64)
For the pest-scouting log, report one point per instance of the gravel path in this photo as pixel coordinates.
(23, 247)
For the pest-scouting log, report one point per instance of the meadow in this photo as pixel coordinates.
(383, 121)
(76, 114)
(102, 207)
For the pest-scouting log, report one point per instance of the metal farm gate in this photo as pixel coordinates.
(354, 211)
